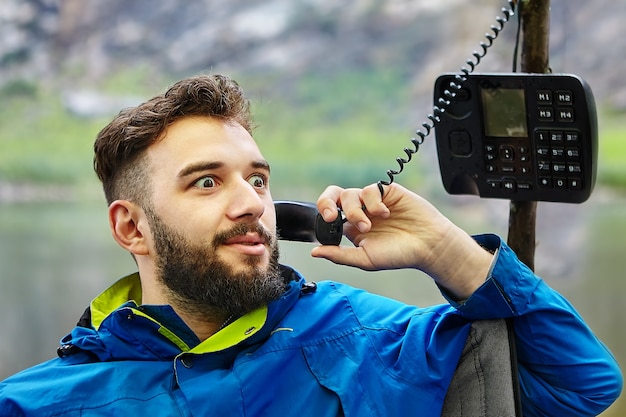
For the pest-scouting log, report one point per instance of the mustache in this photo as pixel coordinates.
(242, 229)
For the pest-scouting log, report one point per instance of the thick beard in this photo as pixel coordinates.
(201, 284)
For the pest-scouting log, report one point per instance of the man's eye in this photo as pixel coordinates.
(205, 182)
(258, 181)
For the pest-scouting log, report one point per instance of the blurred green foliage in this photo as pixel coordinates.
(340, 129)
(612, 150)
(40, 142)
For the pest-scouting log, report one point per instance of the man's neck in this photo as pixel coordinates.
(203, 327)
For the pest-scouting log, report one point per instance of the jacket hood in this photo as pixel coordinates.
(113, 327)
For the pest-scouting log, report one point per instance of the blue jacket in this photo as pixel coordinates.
(321, 350)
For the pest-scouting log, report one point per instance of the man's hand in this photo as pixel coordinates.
(403, 230)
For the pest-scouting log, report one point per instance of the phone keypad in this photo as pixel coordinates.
(559, 161)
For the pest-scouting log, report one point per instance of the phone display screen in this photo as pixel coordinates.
(504, 111)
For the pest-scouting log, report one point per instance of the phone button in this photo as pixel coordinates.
(545, 114)
(493, 184)
(542, 136)
(571, 137)
(460, 143)
(556, 137)
(507, 153)
(544, 167)
(573, 153)
(574, 168)
(543, 151)
(545, 182)
(544, 97)
(565, 115)
(565, 98)
(575, 184)
(509, 184)
(558, 152)
(560, 183)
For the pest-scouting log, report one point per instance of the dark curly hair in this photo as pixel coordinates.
(119, 147)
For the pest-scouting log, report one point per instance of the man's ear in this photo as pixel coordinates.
(128, 225)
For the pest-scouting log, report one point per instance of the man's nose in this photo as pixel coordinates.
(246, 202)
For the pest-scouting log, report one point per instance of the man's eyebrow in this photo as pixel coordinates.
(209, 166)
(198, 167)
(261, 164)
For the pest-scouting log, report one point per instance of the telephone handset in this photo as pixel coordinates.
(301, 222)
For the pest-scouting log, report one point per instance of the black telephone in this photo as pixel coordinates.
(543, 147)
(519, 137)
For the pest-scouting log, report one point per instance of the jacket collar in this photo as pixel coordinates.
(105, 329)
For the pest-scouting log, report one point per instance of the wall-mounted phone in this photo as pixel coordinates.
(518, 136)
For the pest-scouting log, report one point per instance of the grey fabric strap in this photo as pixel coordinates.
(483, 384)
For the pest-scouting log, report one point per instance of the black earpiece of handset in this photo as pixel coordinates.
(329, 233)
(301, 222)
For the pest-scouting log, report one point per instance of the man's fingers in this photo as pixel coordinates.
(343, 255)
(328, 202)
(358, 205)
(372, 201)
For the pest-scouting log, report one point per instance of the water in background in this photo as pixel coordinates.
(56, 256)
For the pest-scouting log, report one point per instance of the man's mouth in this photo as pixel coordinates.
(247, 239)
(249, 244)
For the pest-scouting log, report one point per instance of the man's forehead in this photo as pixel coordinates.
(202, 142)
(203, 126)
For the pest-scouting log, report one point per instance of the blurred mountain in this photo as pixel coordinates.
(77, 41)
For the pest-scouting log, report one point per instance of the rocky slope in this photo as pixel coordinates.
(49, 39)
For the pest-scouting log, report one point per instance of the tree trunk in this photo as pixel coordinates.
(535, 21)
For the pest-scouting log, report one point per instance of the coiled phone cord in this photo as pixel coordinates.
(444, 101)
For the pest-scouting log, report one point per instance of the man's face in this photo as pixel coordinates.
(212, 218)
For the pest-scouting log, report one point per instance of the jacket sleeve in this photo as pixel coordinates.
(564, 369)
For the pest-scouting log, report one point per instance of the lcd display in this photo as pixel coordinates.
(504, 112)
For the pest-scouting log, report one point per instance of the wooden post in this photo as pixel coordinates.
(535, 21)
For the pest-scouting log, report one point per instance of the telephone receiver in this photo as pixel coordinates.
(300, 221)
